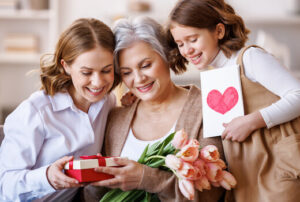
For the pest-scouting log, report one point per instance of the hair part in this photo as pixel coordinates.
(81, 36)
(129, 31)
(206, 14)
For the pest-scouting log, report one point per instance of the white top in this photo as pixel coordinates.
(40, 131)
(263, 68)
(133, 147)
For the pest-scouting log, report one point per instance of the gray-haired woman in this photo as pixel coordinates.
(141, 58)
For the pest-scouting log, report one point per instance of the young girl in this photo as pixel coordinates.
(66, 118)
(266, 163)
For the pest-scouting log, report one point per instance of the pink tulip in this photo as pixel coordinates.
(215, 184)
(202, 183)
(180, 139)
(213, 172)
(210, 153)
(188, 153)
(194, 143)
(199, 164)
(228, 181)
(187, 189)
(173, 162)
(221, 163)
(187, 171)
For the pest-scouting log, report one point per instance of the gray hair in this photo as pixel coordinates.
(128, 31)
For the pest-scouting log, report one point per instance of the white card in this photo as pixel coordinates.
(222, 98)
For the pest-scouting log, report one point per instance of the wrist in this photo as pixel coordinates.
(256, 121)
(47, 176)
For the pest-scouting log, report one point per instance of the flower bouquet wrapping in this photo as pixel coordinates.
(196, 168)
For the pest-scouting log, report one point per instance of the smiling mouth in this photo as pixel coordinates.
(195, 60)
(146, 88)
(96, 92)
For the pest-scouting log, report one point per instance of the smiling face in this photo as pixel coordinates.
(198, 46)
(144, 72)
(92, 76)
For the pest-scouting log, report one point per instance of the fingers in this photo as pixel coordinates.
(57, 178)
(62, 162)
(108, 170)
(111, 183)
(122, 161)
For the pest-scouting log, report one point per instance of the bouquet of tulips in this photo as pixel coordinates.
(195, 168)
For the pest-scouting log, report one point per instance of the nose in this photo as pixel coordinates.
(188, 49)
(96, 80)
(139, 76)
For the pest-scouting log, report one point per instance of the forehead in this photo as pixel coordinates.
(181, 31)
(98, 55)
(136, 52)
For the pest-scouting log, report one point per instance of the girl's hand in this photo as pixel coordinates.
(241, 127)
(126, 178)
(128, 99)
(57, 179)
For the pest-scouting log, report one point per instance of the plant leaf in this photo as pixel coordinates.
(142, 158)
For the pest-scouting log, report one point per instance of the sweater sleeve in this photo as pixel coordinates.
(19, 181)
(263, 68)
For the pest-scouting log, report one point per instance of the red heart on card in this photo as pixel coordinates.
(222, 103)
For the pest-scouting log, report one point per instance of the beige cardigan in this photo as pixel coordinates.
(165, 184)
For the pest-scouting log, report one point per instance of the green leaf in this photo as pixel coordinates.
(134, 196)
(142, 158)
(111, 195)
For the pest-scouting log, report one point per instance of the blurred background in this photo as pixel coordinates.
(30, 28)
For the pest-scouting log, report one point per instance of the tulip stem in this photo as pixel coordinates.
(155, 156)
(174, 171)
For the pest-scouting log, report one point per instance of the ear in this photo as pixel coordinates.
(65, 66)
(220, 30)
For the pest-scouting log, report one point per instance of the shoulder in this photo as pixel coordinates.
(256, 54)
(33, 104)
(38, 99)
(118, 113)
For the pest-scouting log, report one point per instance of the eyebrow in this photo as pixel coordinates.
(89, 68)
(189, 36)
(139, 64)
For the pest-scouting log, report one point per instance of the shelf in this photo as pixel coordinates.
(16, 59)
(25, 15)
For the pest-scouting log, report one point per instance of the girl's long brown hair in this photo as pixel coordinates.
(207, 14)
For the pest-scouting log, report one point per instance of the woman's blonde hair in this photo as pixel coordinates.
(83, 35)
(207, 14)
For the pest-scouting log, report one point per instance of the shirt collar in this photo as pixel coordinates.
(95, 108)
(220, 60)
(61, 101)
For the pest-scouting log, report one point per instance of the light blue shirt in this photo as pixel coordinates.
(40, 131)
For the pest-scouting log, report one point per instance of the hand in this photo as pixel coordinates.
(126, 178)
(57, 179)
(241, 127)
(128, 99)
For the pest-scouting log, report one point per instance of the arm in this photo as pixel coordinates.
(263, 68)
(23, 140)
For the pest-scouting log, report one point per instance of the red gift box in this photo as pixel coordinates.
(83, 170)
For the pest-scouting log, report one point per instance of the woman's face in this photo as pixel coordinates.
(92, 75)
(144, 72)
(198, 46)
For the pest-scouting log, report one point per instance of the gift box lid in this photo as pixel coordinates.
(88, 162)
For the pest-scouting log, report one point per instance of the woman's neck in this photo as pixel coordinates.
(81, 104)
(171, 95)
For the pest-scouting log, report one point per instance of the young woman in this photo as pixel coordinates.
(66, 118)
(141, 58)
(209, 33)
